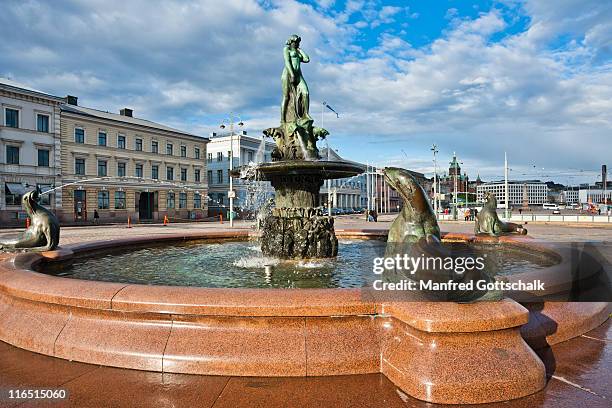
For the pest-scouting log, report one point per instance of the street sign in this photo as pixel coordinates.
(231, 194)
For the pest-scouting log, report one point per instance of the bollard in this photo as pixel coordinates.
(129, 222)
(221, 218)
(27, 222)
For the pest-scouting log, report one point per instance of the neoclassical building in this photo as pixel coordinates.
(29, 149)
(123, 166)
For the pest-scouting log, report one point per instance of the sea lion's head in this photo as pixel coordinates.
(406, 185)
(490, 201)
(29, 200)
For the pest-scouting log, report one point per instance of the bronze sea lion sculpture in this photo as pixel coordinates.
(417, 219)
(487, 221)
(415, 233)
(44, 231)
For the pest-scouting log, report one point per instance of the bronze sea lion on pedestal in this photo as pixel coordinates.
(44, 231)
(417, 219)
(488, 222)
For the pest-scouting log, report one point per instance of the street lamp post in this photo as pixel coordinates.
(231, 193)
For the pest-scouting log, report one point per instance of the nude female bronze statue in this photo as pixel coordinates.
(44, 231)
(296, 100)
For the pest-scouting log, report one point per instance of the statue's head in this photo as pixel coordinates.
(294, 40)
(401, 181)
(490, 200)
(30, 199)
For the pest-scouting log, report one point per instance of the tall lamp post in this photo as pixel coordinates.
(231, 193)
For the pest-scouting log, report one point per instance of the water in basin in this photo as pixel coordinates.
(240, 264)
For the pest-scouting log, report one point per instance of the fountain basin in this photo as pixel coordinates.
(284, 332)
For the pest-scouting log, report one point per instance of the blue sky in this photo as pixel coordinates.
(533, 78)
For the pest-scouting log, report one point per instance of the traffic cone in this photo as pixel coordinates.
(165, 220)
(129, 222)
(221, 217)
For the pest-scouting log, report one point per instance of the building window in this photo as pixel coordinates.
(183, 151)
(120, 169)
(219, 176)
(250, 157)
(45, 197)
(102, 168)
(182, 200)
(12, 155)
(183, 174)
(154, 146)
(169, 173)
(209, 177)
(209, 157)
(169, 149)
(139, 171)
(43, 158)
(120, 200)
(220, 199)
(197, 200)
(138, 145)
(13, 193)
(101, 138)
(121, 142)
(11, 117)
(196, 175)
(79, 135)
(155, 172)
(219, 156)
(103, 200)
(170, 200)
(42, 123)
(196, 152)
(79, 167)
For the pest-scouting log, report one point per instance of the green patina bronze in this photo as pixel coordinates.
(296, 137)
(44, 231)
(488, 222)
(297, 227)
(417, 219)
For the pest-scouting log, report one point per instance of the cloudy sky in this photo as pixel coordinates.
(532, 78)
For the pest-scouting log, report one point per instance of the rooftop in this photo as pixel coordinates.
(80, 110)
(11, 85)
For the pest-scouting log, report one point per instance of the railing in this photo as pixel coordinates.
(543, 218)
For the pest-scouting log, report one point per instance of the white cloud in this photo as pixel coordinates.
(543, 98)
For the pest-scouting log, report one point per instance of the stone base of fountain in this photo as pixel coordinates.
(297, 228)
(299, 233)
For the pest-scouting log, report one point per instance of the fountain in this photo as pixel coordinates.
(297, 228)
(185, 302)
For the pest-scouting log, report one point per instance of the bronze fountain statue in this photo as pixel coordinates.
(487, 221)
(296, 228)
(44, 231)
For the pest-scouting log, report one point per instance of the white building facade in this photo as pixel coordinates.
(570, 196)
(531, 192)
(245, 149)
(595, 196)
(29, 148)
